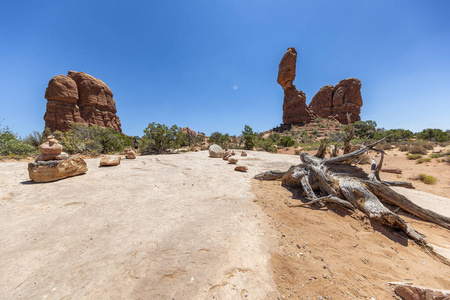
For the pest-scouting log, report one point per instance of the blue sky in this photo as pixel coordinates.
(212, 65)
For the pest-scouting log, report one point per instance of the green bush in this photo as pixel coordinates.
(286, 141)
(427, 179)
(92, 140)
(249, 136)
(158, 138)
(434, 135)
(423, 159)
(219, 139)
(413, 156)
(12, 146)
(265, 144)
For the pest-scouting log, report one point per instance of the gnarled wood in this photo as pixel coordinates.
(334, 180)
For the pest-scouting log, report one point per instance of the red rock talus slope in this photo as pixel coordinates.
(81, 98)
(295, 109)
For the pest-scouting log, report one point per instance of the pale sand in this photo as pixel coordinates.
(185, 227)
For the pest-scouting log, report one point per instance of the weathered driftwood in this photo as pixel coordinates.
(335, 180)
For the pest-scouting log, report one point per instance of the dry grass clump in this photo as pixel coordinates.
(387, 146)
(422, 160)
(417, 149)
(413, 156)
(427, 179)
(403, 148)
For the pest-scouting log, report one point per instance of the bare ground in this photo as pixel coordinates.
(185, 227)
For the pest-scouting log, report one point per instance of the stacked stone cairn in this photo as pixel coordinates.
(54, 164)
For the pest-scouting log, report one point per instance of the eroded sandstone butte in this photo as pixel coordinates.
(329, 102)
(81, 98)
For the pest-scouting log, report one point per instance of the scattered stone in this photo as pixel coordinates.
(392, 170)
(46, 171)
(110, 160)
(233, 153)
(81, 98)
(243, 153)
(232, 160)
(215, 151)
(225, 157)
(130, 154)
(241, 168)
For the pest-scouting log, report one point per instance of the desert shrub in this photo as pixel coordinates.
(159, 138)
(364, 129)
(417, 149)
(427, 179)
(219, 138)
(423, 159)
(286, 141)
(35, 139)
(275, 137)
(442, 154)
(92, 140)
(394, 135)
(248, 135)
(265, 144)
(403, 148)
(434, 135)
(12, 146)
(386, 146)
(413, 156)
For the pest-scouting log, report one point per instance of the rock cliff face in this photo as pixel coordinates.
(329, 102)
(81, 98)
(295, 109)
(337, 101)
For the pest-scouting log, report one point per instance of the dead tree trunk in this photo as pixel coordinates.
(334, 180)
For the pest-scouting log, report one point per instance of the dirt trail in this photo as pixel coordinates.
(158, 227)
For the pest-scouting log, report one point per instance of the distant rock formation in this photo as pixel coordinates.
(295, 109)
(337, 101)
(81, 98)
(329, 102)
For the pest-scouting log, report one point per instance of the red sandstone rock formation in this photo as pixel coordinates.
(189, 132)
(81, 98)
(338, 101)
(329, 102)
(294, 106)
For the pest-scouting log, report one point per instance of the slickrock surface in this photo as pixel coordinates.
(155, 227)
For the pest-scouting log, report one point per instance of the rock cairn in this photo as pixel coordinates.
(53, 164)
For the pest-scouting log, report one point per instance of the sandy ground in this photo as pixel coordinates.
(158, 227)
(189, 227)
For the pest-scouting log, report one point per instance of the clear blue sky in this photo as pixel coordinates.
(212, 65)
